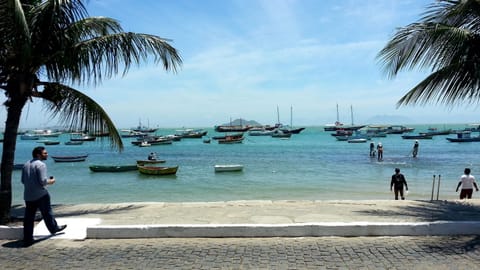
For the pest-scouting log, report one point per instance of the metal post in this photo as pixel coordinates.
(433, 187)
(438, 185)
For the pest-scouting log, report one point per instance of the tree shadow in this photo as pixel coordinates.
(17, 211)
(432, 211)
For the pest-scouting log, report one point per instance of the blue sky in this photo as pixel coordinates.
(243, 58)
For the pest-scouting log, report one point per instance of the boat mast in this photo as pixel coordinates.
(278, 116)
(338, 116)
(351, 112)
(291, 113)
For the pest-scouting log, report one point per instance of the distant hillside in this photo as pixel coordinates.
(243, 122)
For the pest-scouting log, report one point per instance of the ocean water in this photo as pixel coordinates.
(311, 165)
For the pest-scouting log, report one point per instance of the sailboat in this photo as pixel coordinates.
(340, 126)
(290, 129)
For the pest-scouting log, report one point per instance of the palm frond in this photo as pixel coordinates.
(79, 112)
(449, 86)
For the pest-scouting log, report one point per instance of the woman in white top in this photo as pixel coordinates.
(467, 181)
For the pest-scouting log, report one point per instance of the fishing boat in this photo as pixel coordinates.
(28, 136)
(113, 168)
(150, 161)
(70, 158)
(223, 137)
(357, 140)
(190, 133)
(464, 136)
(82, 137)
(230, 140)
(417, 137)
(228, 167)
(153, 170)
(51, 142)
(74, 143)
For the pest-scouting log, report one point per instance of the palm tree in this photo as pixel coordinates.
(447, 41)
(47, 44)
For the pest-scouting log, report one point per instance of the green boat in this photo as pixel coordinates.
(113, 168)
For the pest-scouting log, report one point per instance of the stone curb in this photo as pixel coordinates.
(342, 229)
(11, 233)
(286, 230)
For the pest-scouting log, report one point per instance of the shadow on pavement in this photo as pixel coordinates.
(62, 210)
(432, 211)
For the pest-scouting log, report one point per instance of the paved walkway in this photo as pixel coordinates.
(265, 219)
(153, 225)
(427, 252)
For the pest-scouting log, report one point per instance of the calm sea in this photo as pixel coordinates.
(311, 165)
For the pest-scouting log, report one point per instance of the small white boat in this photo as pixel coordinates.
(228, 168)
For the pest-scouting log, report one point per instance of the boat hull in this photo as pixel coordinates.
(228, 168)
(150, 170)
(69, 158)
(113, 168)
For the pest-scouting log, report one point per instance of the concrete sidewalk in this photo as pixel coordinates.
(264, 219)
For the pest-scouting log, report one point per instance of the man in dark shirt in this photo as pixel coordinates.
(398, 180)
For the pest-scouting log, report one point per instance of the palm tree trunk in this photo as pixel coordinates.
(17, 99)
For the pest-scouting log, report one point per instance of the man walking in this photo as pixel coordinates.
(398, 180)
(36, 196)
(467, 181)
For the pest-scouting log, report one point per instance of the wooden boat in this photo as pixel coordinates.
(29, 137)
(153, 170)
(223, 137)
(464, 137)
(82, 138)
(357, 140)
(70, 158)
(228, 168)
(154, 161)
(230, 140)
(74, 143)
(417, 137)
(113, 168)
(51, 142)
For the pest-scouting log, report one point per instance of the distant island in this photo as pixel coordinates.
(242, 122)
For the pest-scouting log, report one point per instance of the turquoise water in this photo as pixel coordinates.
(312, 165)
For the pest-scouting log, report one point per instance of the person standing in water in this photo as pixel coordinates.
(380, 151)
(372, 149)
(415, 149)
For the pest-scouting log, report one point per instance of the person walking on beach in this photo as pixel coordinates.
(467, 181)
(415, 149)
(372, 149)
(398, 180)
(36, 196)
(380, 151)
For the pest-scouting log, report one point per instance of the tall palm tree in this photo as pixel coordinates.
(47, 44)
(447, 41)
